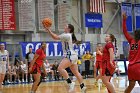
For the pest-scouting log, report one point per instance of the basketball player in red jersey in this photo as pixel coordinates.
(108, 64)
(134, 56)
(99, 53)
(36, 65)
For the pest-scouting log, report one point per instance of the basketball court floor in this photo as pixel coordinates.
(120, 84)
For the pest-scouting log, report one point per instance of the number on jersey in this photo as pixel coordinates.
(134, 47)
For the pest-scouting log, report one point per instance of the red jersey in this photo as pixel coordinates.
(134, 51)
(106, 54)
(98, 57)
(41, 57)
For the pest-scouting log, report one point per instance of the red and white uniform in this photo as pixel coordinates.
(39, 61)
(98, 61)
(107, 69)
(134, 55)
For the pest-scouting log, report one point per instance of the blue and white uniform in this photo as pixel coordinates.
(67, 46)
(3, 61)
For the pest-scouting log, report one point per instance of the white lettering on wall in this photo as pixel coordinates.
(94, 20)
(28, 46)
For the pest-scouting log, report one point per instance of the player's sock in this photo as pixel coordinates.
(68, 80)
(82, 85)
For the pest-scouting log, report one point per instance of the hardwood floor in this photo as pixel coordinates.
(61, 87)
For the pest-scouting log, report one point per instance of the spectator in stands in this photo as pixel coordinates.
(87, 57)
(49, 69)
(54, 68)
(79, 65)
(12, 73)
(117, 70)
(24, 69)
(29, 58)
(18, 70)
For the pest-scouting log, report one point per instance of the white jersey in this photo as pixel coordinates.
(67, 44)
(3, 57)
(13, 69)
(23, 67)
(47, 66)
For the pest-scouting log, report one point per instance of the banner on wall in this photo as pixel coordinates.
(117, 0)
(26, 10)
(137, 15)
(127, 8)
(93, 20)
(7, 15)
(53, 48)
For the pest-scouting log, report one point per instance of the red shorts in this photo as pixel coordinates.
(36, 69)
(98, 64)
(134, 72)
(107, 69)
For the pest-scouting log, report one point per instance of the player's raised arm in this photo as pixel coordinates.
(127, 35)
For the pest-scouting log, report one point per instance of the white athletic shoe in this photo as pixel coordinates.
(8, 82)
(71, 86)
(26, 80)
(23, 81)
(83, 90)
(31, 80)
(19, 81)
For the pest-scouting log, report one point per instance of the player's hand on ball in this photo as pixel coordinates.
(48, 29)
(47, 23)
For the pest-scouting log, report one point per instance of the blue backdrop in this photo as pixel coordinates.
(93, 20)
(53, 48)
(137, 15)
(127, 8)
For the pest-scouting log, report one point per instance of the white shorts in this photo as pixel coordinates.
(2, 69)
(25, 71)
(48, 70)
(73, 59)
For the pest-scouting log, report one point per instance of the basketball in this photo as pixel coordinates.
(47, 22)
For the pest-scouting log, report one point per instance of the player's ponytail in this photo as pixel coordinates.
(113, 39)
(74, 39)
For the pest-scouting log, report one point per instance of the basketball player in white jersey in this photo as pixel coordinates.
(68, 38)
(4, 59)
